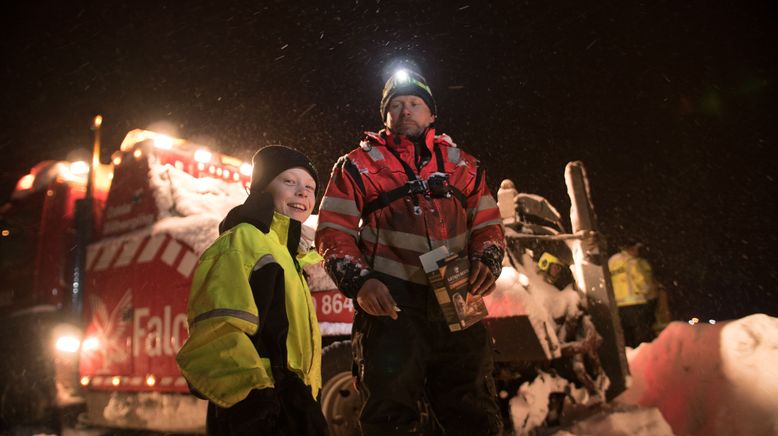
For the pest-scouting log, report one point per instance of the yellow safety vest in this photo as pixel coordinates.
(219, 359)
(633, 281)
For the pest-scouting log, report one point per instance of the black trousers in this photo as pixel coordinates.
(637, 322)
(286, 410)
(399, 362)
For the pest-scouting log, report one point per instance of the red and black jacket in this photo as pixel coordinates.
(391, 200)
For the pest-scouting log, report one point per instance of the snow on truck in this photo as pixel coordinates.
(107, 339)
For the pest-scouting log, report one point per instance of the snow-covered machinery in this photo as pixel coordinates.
(558, 348)
(557, 336)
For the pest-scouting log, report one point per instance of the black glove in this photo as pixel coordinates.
(261, 409)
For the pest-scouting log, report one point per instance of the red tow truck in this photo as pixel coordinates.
(112, 348)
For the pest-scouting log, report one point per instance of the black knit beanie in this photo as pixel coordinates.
(273, 160)
(407, 82)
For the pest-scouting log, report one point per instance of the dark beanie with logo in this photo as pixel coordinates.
(407, 82)
(273, 160)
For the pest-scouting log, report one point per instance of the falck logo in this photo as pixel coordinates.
(110, 329)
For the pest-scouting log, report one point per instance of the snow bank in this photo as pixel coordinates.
(707, 379)
(335, 328)
(530, 406)
(156, 411)
(621, 420)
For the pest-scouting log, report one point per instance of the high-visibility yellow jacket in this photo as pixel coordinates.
(233, 319)
(633, 281)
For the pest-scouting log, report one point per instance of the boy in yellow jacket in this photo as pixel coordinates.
(254, 347)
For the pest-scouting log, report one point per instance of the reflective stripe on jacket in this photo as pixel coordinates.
(633, 281)
(390, 239)
(219, 358)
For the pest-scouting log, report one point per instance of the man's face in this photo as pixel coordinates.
(554, 270)
(408, 115)
(294, 192)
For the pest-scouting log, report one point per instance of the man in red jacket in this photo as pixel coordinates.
(403, 192)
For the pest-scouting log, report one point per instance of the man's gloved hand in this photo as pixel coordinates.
(374, 297)
(482, 281)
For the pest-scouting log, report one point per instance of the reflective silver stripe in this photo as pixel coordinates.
(246, 316)
(375, 154)
(486, 224)
(414, 242)
(486, 202)
(453, 155)
(407, 241)
(264, 260)
(338, 227)
(457, 243)
(339, 205)
(400, 270)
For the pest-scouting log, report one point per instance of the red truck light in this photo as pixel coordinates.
(79, 168)
(163, 142)
(25, 182)
(66, 338)
(67, 344)
(202, 155)
(90, 344)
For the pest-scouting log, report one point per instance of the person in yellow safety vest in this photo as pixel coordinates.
(254, 347)
(636, 293)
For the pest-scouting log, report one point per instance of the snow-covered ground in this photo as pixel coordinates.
(719, 379)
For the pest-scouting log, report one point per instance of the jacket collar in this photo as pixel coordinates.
(258, 210)
(386, 138)
(287, 230)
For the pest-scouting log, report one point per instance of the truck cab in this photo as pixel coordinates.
(37, 235)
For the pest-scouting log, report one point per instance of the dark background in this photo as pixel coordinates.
(670, 105)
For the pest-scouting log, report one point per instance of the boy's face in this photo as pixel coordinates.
(294, 192)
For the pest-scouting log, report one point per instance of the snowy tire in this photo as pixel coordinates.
(340, 401)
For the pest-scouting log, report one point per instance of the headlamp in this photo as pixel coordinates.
(401, 76)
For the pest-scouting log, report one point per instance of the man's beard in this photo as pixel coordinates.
(409, 130)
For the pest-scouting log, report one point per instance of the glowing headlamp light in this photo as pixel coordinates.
(401, 76)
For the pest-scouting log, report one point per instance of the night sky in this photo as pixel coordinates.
(670, 105)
